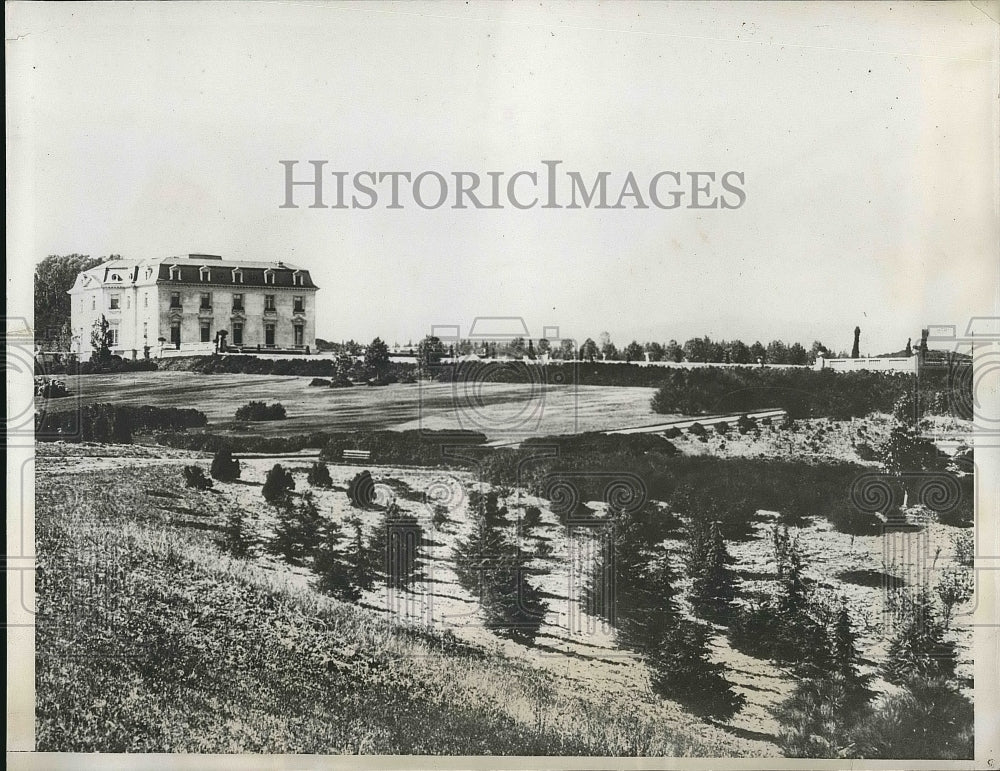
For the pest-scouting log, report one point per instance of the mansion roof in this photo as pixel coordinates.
(201, 269)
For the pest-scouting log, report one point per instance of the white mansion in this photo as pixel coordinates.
(180, 303)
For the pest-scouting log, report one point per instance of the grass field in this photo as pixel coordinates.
(499, 410)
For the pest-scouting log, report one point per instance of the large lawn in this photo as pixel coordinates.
(500, 410)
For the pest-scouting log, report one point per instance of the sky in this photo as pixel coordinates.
(866, 135)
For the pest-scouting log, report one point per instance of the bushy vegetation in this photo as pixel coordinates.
(336, 370)
(802, 393)
(361, 490)
(278, 484)
(225, 467)
(319, 475)
(194, 476)
(261, 411)
(414, 447)
(112, 423)
(70, 365)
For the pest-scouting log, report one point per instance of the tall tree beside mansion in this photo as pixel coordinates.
(181, 303)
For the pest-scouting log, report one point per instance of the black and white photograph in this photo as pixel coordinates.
(503, 384)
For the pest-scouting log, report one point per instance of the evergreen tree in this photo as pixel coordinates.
(713, 585)
(237, 537)
(396, 542)
(333, 567)
(361, 564)
(298, 530)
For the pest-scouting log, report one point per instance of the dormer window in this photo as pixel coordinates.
(205, 273)
(297, 278)
(149, 272)
(237, 276)
(269, 276)
(175, 273)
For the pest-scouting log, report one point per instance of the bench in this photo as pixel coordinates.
(357, 454)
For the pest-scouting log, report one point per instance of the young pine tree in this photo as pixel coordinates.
(298, 530)
(713, 586)
(334, 574)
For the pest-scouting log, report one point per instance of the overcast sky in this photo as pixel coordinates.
(867, 135)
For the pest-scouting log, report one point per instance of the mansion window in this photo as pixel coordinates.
(175, 334)
(206, 301)
(237, 333)
(237, 302)
(175, 299)
(115, 302)
(268, 276)
(269, 335)
(93, 303)
(299, 337)
(206, 331)
(205, 274)
(175, 273)
(298, 304)
(112, 337)
(269, 302)
(297, 279)
(145, 300)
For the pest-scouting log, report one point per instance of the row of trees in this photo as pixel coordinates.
(429, 351)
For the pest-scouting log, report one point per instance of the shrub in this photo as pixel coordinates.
(319, 381)
(929, 720)
(746, 424)
(697, 429)
(918, 648)
(722, 428)
(256, 411)
(225, 467)
(954, 588)
(277, 484)
(112, 423)
(532, 518)
(195, 477)
(319, 475)
(361, 489)
(965, 549)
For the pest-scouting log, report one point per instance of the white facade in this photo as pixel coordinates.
(179, 305)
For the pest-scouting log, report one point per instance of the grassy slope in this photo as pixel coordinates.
(149, 639)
